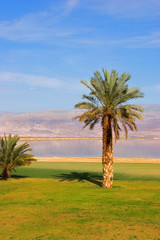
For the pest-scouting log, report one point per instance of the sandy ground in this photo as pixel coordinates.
(67, 138)
(57, 138)
(77, 159)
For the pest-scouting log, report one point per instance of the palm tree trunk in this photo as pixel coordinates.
(107, 152)
(6, 174)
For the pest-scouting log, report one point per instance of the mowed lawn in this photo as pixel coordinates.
(65, 201)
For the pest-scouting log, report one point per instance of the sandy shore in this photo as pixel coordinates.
(78, 159)
(70, 138)
(57, 138)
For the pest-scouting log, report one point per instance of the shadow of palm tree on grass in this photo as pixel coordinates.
(81, 176)
(14, 177)
(70, 175)
(18, 176)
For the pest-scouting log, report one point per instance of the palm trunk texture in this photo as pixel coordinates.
(107, 153)
(5, 174)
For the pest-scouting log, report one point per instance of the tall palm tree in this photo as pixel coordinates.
(108, 103)
(13, 155)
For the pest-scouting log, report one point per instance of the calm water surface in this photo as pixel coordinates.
(131, 148)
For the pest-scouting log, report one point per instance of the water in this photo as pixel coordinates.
(131, 148)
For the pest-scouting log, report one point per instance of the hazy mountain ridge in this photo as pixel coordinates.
(59, 123)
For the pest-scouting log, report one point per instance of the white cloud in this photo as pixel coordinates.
(31, 80)
(149, 41)
(32, 27)
(126, 8)
(145, 41)
(40, 26)
(157, 87)
(70, 5)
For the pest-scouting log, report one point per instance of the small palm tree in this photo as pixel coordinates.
(12, 156)
(107, 102)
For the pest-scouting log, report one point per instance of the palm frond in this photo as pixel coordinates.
(87, 85)
(117, 129)
(94, 122)
(109, 96)
(85, 105)
(91, 99)
(125, 129)
(13, 155)
(132, 93)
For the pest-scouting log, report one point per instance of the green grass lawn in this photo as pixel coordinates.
(65, 201)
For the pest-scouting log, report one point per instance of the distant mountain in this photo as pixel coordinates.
(59, 123)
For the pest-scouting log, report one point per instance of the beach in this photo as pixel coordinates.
(30, 139)
(87, 159)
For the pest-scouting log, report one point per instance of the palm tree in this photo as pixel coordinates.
(12, 156)
(107, 102)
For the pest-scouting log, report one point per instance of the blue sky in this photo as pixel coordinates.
(47, 47)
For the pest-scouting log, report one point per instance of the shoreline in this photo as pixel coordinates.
(96, 159)
(29, 138)
(57, 138)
